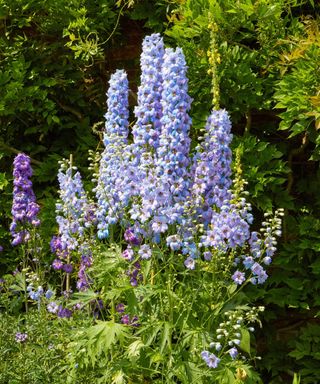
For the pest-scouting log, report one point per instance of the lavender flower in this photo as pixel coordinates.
(135, 274)
(190, 263)
(131, 238)
(120, 308)
(68, 268)
(125, 319)
(238, 277)
(211, 359)
(49, 294)
(128, 254)
(233, 352)
(145, 252)
(174, 242)
(64, 312)
(21, 337)
(52, 307)
(57, 264)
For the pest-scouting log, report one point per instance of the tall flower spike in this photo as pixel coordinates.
(148, 111)
(116, 127)
(173, 151)
(212, 168)
(24, 207)
(115, 139)
(71, 209)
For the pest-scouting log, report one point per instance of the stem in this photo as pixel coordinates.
(214, 60)
(24, 267)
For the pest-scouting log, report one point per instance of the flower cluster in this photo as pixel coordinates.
(157, 185)
(71, 208)
(262, 247)
(148, 112)
(111, 191)
(21, 337)
(173, 151)
(212, 166)
(74, 215)
(37, 294)
(229, 336)
(85, 263)
(24, 207)
(126, 318)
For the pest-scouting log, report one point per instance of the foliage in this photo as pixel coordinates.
(52, 85)
(41, 358)
(172, 309)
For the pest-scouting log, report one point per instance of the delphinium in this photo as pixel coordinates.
(164, 181)
(231, 340)
(148, 112)
(212, 174)
(110, 178)
(74, 216)
(147, 128)
(25, 219)
(24, 207)
(188, 248)
(173, 152)
(38, 294)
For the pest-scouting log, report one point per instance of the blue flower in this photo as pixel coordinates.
(233, 352)
(238, 277)
(190, 263)
(49, 294)
(211, 359)
(145, 251)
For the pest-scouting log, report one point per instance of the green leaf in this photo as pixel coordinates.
(134, 348)
(3, 180)
(245, 340)
(166, 336)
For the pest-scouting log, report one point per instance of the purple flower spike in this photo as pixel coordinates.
(24, 207)
(108, 191)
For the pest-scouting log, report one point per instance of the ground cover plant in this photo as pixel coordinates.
(148, 269)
